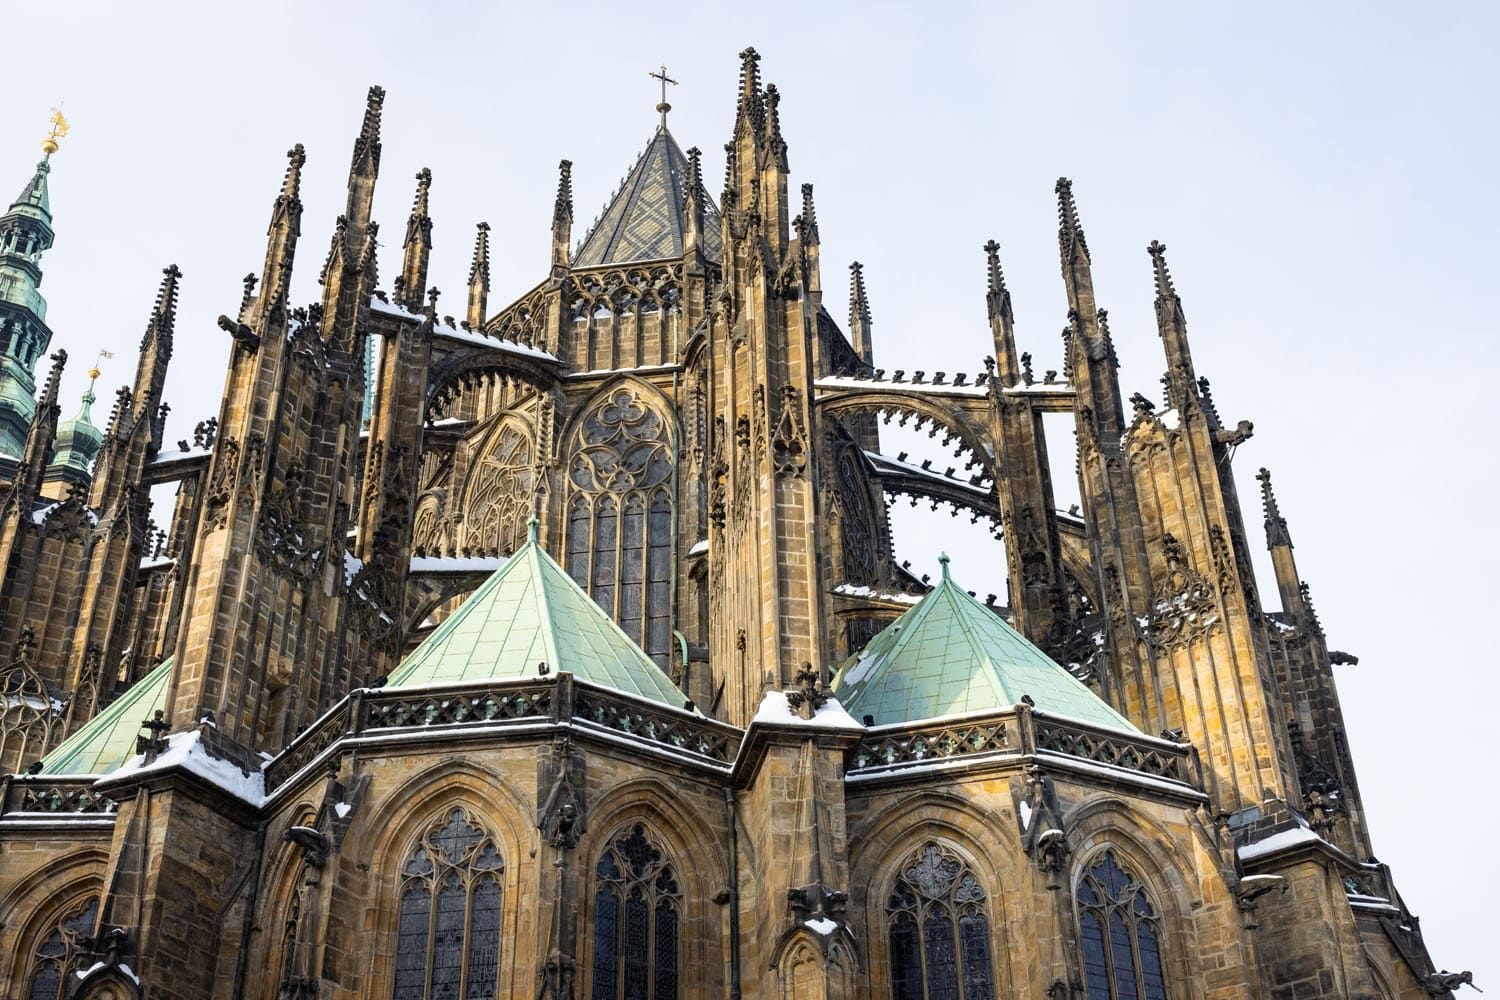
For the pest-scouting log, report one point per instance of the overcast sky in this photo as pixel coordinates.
(1323, 175)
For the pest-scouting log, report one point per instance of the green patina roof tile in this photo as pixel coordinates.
(531, 611)
(949, 655)
(108, 739)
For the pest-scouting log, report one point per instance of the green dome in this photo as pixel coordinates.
(950, 655)
(76, 445)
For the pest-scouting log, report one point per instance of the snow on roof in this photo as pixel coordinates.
(1280, 842)
(186, 751)
(920, 388)
(776, 710)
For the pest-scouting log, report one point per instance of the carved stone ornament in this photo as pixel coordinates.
(789, 442)
(1186, 607)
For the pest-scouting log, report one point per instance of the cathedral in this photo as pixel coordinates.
(557, 649)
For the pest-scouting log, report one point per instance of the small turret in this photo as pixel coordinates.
(75, 448)
(479, 278)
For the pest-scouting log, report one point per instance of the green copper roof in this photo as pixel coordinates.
(77, 443)
(108, 739)
(949, 655)
(529, 612)
(646, 219)
(33, 201)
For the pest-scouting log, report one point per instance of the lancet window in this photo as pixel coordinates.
(61, 953)
(620, 516)
(637, 913)
(1121, 935)
(448, 927)
(500, 493)
(939, 931)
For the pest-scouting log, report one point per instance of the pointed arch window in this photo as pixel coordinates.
(500, 492)
(939, 931)
(448, 924)
(1121, 935)
(620, 516)
(637, 913)
(62, 953)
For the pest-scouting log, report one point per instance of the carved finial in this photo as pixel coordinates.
(943, 561)
(773, 117)
(751, 105)
(533, 528)
(992, 258)
(1158, 252)
(367, 146)
(859, 302)
(809, 216)
(1276, 530)
(292, 183)
(562, 208)
(1069, 229)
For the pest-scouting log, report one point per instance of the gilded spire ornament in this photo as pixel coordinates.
(59, 130)
(662, 76)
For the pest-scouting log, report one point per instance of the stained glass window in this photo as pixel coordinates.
(637, 911)
(499, 498)
(61, 953)
(620, 517)
(448, 917)
(1120, 932)
(938, 930)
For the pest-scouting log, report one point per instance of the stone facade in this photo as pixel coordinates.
(696, 441)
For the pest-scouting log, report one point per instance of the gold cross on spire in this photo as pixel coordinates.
(663, 107)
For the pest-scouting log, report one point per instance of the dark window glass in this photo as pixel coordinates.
(62, 952)
(938, 930)
(635, 952)
(620, 520)
(1120, 934)
(448, 932)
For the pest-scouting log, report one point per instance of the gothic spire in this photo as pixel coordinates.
(479, 278)
(39, 438)
(1276, 530)
(1069, 230)
(809, 217)
(562, 219)
(694, 196)
(417, 248)
(1171, 324)
(750, 110)
(859, 314)
(282, 234)
(775, 144)
(1002, 322)
(365, 163)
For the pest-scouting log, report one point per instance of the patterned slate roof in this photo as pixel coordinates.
(530, 611)
(108, 739)
(949, 655)
(645, 219)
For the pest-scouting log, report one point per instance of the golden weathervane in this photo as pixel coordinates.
(59, 129)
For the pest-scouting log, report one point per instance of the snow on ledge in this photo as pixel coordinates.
(862, 590)
(457, 564)
(186, 751)
(821, 925)
(775, 710)
(1278, 842)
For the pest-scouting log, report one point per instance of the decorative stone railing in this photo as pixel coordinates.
(53, 796)
(1019, 732)
(559, 700)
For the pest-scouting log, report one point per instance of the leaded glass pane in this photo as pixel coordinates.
(411, 943)
(62, 952)
(1095, 965)
(46, 982)
(448, 939)
(484, 941)
(1120, 937)
(635, 951)
(974, 933)
(621, 554)
(637, 945)
(606, 936)
(1153, 983)
(448, 932)
(906, 959)
(942, 961)
(666, 951)
(939, 935)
